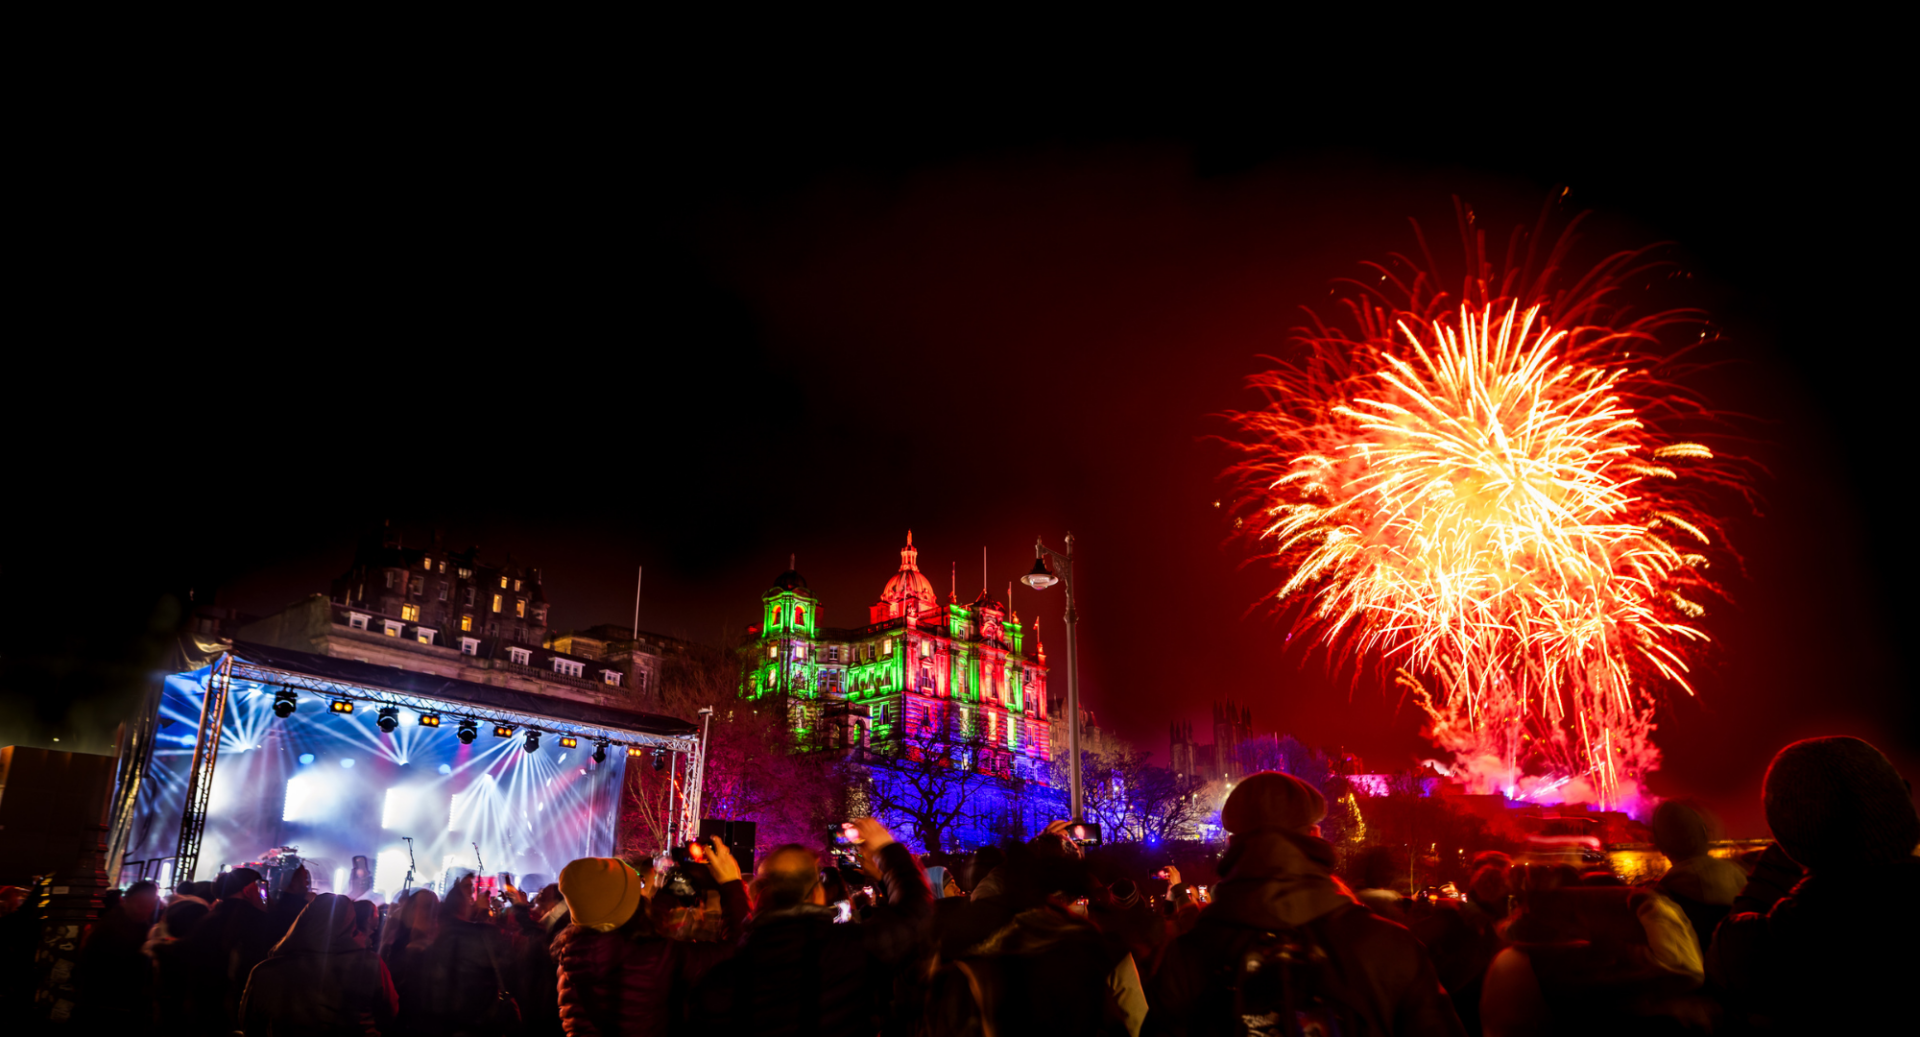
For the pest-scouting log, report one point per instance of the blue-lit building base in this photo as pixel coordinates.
(988, 813)
(335, 786)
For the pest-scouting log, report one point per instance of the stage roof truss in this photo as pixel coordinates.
(270, 678)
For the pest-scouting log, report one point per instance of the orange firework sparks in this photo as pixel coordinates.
(1483, 491)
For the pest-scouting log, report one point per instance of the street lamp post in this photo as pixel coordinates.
(1045, 575)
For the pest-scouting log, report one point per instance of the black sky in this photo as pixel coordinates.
(700, 323)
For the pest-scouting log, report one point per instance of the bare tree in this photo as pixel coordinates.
(929, 786)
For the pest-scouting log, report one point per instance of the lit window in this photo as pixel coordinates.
(410, 613)
(496, 602)
(393, 628)
(357, 620)
(776, 615)
(521, 656)
(469, 646)
(417, 586)
(799, 615)
(424, 635)
(568, 668)
(611, 677)
(503, 583)
(520, 608)
(443, 566)
(466, 624)
(800, 651)
(773, 651)
(516, 585)
(886, 647)
(466, 574)
(427, 564)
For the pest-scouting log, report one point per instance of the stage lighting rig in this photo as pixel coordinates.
(285, 702)
(468, 732)
(600, 752)
(633, 750)
(533, 741)
(429, 720)
(502, 731)
(659, 760)
(568, 741)
(341, 705)
(389, 718)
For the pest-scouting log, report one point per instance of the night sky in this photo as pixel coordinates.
(703, 333)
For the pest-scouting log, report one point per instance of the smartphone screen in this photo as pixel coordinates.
(850, 834)
(696, 853)
(843, 911)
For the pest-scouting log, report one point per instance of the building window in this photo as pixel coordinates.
(540, 613)
(393, 628)
(520, 608)
(469, 596)
(516, 586)
(880, 715)
(466, 624)
(496, 602)
(443, 592)
(800, 651)
(799, 615)
(611, 677)
(886, 647)
(640, 681)
(391, 576)
(417, 586)
(469, 646)
(424, 635)
(357, 620)
(833, 653)
(410, 613)
(773, 651)
(568, 668)
(776, 615)
(427, 564)
(443, 566)
(503, 583)
(466, 574)
(520, 656)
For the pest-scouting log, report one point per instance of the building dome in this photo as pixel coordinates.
(909, 584)
(791, 580)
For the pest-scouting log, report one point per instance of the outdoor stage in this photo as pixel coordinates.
(335, 785)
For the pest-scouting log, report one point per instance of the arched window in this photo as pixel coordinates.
(799, 616)
(776, 615)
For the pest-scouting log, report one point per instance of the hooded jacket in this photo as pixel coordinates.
(1280, 880)
(632, 980)
(318, 981)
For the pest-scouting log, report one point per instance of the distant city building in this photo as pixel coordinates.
(1222, 759)
(917, 672)
(442, 611)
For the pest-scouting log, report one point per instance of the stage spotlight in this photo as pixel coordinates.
(389, 718)
(342, 706)
(533, 741)
(633, 750)
(468, 732)
(502, 731)
(600, 752)
(568, 741)
(285, 702)
(429, 720)
(659, 760)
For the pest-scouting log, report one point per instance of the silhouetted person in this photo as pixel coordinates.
(617, 973)
(175, 975)
(1373, 875)
(1838, 954)
(462, 975)
(796, 971)
(1282, 939)
(115, 975)
(1703, 885)
(225, 947)
(1463, 939)
(319, 980)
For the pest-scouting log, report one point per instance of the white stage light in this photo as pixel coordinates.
(339, 881)
(390, 872)
(399, 807)
(304, 799)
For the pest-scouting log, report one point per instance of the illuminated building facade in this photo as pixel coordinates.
(446, 612)
(918, 672)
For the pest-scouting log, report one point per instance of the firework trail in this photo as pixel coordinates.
(1484, 491)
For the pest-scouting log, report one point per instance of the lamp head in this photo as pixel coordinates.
(1041, 577)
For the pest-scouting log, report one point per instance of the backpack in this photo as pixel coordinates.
(1281, 986)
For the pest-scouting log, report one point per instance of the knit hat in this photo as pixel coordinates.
(602, 893)
(1679, 830)
(1837, 803)
(1271, 799)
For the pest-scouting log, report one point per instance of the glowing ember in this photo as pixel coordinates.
(1482, 491)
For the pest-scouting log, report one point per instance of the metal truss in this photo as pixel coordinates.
(456, 710)
(206, 753)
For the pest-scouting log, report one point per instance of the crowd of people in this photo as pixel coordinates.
(1813, 936)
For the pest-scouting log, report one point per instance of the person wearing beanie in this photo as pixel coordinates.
(1839, 952)
(1364, 974)
(616, 972)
